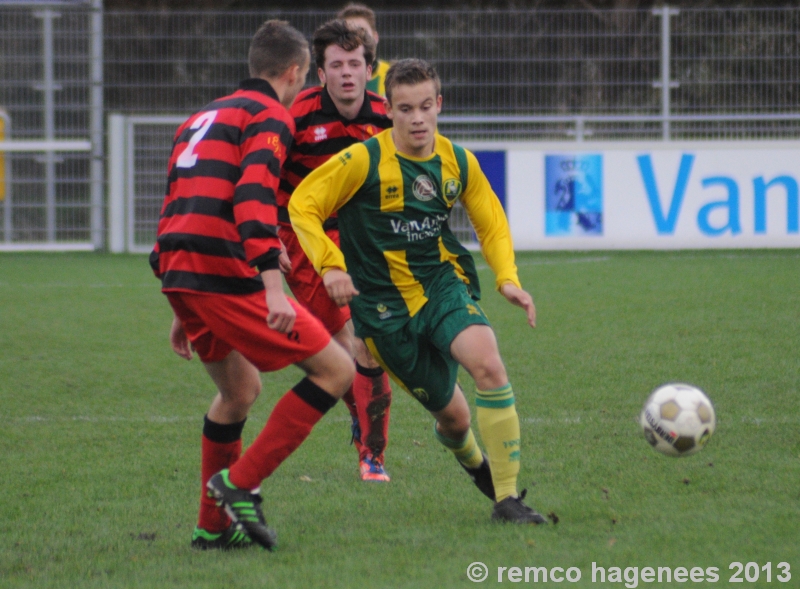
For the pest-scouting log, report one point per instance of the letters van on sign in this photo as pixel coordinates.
(723, 198)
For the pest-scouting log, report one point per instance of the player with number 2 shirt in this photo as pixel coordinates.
(219, 260)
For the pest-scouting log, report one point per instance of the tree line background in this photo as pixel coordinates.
(436, 4)
(536, 57)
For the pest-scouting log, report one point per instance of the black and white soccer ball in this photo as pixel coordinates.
(678, 419)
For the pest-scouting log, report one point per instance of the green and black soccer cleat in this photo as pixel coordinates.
(230, 538)
(513, 510)
(244, 508)
(482, 477)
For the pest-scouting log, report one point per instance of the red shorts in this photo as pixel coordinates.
(216, 324)
(307, 285)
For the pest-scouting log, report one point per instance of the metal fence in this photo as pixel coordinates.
(507, 75)
(52, 191)
(139, 146)
(528, 75)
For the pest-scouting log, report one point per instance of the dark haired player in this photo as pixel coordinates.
(360, 15)
(329, 119)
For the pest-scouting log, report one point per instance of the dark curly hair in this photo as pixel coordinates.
(339, 32)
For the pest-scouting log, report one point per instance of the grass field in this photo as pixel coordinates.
(101, 427)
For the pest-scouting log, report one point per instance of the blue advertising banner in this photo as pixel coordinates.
(493, 164)
(672, 195)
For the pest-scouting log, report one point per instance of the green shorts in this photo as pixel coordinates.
(418, 356)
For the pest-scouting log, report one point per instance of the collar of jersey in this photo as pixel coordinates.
(414, 158)
(259, 85)
(329, 108)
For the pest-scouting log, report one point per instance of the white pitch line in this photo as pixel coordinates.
(573, 420)
(104, 419)
(732, 256)
(154, 285)
(711, 255)
(481, 266)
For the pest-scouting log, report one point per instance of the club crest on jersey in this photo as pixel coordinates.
(320, 134)
(451, 189)
(423, 188)
(421, 394)
(472, 310)
(384, 312)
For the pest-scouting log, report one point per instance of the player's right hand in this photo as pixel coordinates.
(340, 286)
(281, 314)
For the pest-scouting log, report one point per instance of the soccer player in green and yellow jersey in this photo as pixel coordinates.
(412, 288)
(362, 16)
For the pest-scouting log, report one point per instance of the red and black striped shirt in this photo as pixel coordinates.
(322, 132)
(218, 224)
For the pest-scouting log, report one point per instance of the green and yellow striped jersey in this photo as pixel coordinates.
(393, 212)
(377, 84)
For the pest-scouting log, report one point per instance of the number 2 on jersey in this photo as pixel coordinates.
(188, 158)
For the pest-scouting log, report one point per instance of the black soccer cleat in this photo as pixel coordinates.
(513, 510)
(482, 477)
(230, 538)
(244, 508)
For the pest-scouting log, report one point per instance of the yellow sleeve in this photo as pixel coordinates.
(491, 226)
(383, 67)
(321, 193)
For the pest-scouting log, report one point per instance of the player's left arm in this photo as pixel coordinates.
(178, 339)
(281, 315)
(264, 145)
(494, 235)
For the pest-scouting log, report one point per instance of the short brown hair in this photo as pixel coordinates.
(410, 72)
(356, 10)
(276, 47)
(339, 32)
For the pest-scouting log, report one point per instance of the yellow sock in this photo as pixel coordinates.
(466, 450)
(499, 426)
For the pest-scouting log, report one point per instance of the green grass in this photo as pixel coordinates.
(101, 427)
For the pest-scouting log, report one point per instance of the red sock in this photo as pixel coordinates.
(288, 425)
(373, 397)
(219, 451)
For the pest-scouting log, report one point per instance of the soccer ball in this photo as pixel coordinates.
(678, 419)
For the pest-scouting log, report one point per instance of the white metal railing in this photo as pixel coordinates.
(139, 149)
(52, 90)
(473, 124)
(508, 75)
(136, 185)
